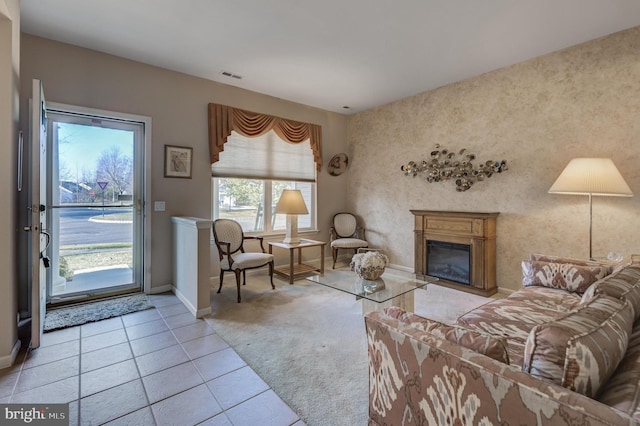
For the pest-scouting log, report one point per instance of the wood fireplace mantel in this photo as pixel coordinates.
(478, 230)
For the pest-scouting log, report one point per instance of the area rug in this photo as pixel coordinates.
(308, 342)
(70, 316)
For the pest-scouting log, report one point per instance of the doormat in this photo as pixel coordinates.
(94, 311)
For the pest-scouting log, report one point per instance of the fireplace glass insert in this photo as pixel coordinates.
(449, 261)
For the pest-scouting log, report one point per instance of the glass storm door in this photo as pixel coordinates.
(95, 199)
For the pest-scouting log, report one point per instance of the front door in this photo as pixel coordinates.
(95, 203)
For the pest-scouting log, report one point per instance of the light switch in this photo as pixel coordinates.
(159, 206)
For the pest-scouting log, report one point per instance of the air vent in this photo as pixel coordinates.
(232, 75)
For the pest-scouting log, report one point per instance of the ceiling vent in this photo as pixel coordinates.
(232, 75)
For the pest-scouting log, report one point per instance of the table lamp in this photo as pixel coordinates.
(292, 204)
(591, 176)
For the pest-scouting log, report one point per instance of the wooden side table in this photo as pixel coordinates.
(297, 269)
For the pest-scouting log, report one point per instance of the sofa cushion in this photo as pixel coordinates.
(581, 262)
(565, 276)
(622, 391)
(624, 283)
(510, 319)
(483, 343)
(546, 298)
(582, 349)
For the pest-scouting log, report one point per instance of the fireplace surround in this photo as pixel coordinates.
(452, 233)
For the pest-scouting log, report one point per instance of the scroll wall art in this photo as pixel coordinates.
(447, 165)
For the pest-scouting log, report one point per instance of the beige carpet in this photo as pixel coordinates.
(308, 341)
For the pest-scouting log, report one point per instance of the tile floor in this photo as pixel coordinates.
(154, 367)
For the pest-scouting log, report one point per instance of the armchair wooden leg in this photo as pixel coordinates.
(221, 278)
(244, 277)
(237, 271)
(271, 275)
(334, 253)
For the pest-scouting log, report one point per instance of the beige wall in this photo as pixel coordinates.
(580, 102)
(177, 104)
(9, 84)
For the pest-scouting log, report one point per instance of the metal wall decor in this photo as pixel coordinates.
(446, 165)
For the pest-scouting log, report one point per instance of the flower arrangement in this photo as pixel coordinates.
(369, 265)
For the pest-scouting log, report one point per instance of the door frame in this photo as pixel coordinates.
(146, 174)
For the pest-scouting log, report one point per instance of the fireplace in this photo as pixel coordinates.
(449, 261)
(457, 247)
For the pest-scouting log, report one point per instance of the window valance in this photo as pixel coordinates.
(225, 119)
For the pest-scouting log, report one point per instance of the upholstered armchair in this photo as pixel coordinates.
(346, 234)
(229, 239)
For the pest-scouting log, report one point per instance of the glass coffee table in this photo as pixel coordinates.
(388, 290)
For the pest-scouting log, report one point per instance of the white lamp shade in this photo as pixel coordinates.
(595, 176)
(291, 202)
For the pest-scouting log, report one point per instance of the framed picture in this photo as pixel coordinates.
(177, 161)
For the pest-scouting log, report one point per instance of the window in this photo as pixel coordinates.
(250, 176)
(243, 200)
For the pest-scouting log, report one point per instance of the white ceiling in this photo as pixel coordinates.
(329, 53)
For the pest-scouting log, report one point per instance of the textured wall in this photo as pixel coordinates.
(579, 102)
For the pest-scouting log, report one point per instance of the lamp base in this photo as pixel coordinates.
(291, 236)
(291, 240)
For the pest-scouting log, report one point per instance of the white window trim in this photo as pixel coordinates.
(313, 211)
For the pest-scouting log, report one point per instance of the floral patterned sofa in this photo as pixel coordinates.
(563, 350)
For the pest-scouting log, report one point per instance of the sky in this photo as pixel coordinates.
(80, 146)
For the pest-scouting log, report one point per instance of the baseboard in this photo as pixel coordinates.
(215, 280)
(8, 360)
(506, 291)
(198, 313)
(400, 268)
(328, 261)
(161, 289)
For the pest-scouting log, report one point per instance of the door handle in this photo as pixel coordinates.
(37, 208)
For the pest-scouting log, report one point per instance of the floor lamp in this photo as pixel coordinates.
(292, 204)
(592, 177)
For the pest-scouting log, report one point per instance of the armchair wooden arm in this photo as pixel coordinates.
(261, 239)
(221, 252)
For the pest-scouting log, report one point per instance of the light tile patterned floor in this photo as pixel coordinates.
(154, 367)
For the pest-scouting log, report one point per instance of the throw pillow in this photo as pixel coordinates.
(620, 392)
(624, 283)
(581, 350)
(565, 276)
(581, 262)
(483, 343)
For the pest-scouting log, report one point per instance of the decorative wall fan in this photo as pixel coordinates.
(338, 164)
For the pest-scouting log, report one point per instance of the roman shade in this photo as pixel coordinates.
(265, 157)
(223, 120)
